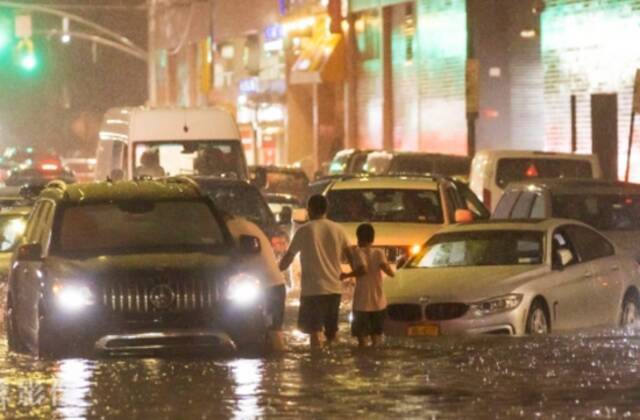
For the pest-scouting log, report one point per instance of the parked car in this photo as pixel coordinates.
(514, 278)
(161, 271)
(13, 221)
(611, 207)
(38, 171)
(243, 199)
(404, 211)
(84, 169)
(493, 170)
(284, 180)
(412, 163)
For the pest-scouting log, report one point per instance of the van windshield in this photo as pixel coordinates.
(223, 159)
(510, 170)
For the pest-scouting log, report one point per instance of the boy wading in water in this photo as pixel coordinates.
(369, 302)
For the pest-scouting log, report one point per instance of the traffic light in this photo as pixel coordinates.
(26, 55)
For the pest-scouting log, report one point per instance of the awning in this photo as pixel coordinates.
(322, 60)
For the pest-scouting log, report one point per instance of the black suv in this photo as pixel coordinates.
(129, 267)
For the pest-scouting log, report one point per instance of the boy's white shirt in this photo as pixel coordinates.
(368, 295)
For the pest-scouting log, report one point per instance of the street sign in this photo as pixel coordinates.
(23, 26)
(636, 93)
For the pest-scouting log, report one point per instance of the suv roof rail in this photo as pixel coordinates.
(57, 183)
(185, 180)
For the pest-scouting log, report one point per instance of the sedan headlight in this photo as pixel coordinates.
(496, 305)
(72, 297)
(243, 289)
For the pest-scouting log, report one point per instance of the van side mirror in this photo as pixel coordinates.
(463, 216)
(260, 178)
(30, 252)
(249, 245)
(116, 175)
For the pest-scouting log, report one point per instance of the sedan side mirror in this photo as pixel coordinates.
(249, 245)
(30, 252)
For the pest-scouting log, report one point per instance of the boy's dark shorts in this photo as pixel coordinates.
(367, 323)
(275, 301)
(319, 312)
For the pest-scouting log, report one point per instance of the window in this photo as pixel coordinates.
(522, 208)
(602, 211)
(481, 248)
(590, 244)
(367, 29)
(506, 203)
(563, 249)
(137, 227)
(471, 202)
(510, 170)
(385, 205)
(538, 211)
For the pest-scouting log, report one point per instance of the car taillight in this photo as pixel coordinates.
(486, 198)
(279, 244)
(49, 167)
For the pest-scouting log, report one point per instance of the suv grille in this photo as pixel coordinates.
(445, 311)
(404, 312)
(156, 295)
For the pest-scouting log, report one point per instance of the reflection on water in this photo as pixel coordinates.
(247, 374)
(72, 380)
(591, 374)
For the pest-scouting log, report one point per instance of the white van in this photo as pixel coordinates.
(167, 142)
(493, 170)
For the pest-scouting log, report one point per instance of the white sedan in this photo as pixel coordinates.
(513, 278)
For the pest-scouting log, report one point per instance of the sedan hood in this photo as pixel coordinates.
(396, 234)
(458, 284)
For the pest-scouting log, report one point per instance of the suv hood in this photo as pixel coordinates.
(396, 234)
(105, 266)
(458, 284)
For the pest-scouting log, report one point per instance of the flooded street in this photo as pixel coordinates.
(593, 374)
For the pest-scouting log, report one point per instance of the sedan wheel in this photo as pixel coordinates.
(537, 322)
(629, 312)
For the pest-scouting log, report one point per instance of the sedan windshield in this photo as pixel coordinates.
(138, 227)
(468, 249)
(385, 205)
(604, 212)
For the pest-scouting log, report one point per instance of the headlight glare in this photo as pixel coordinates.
(496, 305)
(243, 289)
(71, 297)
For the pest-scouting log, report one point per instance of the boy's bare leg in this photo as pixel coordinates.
(377, 339)
(362, 341)
(317, 340)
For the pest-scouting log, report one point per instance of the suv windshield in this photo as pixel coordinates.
(468, 249)
(117, 228)
(385, 205)
(510, 170)
(602, 211)
(214, 157)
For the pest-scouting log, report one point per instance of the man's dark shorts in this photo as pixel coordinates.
(367, 323)
(319, 312)
(275, 301)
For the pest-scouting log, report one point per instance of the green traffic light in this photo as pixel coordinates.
(6, 33)
(29, 61)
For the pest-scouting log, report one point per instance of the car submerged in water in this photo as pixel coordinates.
(131, 267)
(513, 278)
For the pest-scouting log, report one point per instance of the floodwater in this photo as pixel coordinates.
(591, 374)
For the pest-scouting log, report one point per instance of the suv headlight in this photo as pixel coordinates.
(496, 305)
(72, 297)
(243, 289)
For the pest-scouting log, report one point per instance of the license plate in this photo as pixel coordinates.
(428, 330)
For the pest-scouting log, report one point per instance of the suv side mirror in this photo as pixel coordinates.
(286, 216)
(249, 245)
(30, 252)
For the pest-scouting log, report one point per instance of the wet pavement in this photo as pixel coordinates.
(593, 374)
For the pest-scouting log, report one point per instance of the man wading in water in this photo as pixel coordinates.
(322, 245)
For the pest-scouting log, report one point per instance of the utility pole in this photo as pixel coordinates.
(152, 79)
